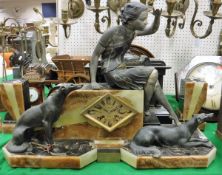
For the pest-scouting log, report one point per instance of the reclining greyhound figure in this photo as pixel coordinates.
(40, 116)
(148, 137)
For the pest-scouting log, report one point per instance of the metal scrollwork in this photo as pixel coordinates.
(75, 8)
(109, 112)
(97, 9)
(211, 14)
(171, 27)
(173, 13)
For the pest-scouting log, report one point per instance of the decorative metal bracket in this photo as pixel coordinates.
(172, 17)
(115, 6)
(97, 9)
(213, 15)
(66, 24)
(109, 112)
(75, 8)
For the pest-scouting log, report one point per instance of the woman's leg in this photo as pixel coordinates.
(149, 88)
(161, 98)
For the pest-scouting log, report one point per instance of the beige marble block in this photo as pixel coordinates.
(101, 114)
(12, 98)
(194, 98)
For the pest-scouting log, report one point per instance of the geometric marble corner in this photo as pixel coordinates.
(42, 161)
(101, 114)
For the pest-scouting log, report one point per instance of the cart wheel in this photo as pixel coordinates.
(79, 78)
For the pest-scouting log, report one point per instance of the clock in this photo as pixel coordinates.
(211, 73)
(209, 70)
(34, 94)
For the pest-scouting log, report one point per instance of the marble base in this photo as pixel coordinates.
(186, 161)
(108, 155)
(219, 134)
(41, 161)
(7, 127)
(172, 157)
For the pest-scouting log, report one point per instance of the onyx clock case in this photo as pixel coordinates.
(209, 70)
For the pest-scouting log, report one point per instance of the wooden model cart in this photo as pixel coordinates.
(71, 69)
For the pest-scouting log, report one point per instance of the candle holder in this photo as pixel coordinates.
(116, 6)
(66, 23)
(75, 8)
(212, 14)
(97, 9)
(175, 10)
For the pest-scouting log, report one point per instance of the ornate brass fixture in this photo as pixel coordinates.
(109, 112)
(116, 6)
(212, 14)
(75, 8)
(65, 23)
(97, 9)
(175, 10)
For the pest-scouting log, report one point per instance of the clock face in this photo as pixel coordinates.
(34, 94)
(212, 74)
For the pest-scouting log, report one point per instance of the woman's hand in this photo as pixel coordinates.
(95, 85)
(157, 12)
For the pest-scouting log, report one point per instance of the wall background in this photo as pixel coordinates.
(176, 51)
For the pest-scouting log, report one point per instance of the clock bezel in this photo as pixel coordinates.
(35, 89)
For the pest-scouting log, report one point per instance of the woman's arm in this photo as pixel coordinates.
(154, 27)
(94, 62)
(100, 48)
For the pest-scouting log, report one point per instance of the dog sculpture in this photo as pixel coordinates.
(40, 116)
(148, 137)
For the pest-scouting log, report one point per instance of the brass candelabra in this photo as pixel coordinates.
(212, 14)
(97, 9)
(176, 9)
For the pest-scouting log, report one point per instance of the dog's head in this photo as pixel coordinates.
(203, 117)
(66, 88)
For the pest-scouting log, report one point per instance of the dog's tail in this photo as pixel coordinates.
(11, 147)
(141, 150)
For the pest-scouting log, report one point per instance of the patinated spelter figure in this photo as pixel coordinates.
(150, 136)
(112, 47)
(40, 116)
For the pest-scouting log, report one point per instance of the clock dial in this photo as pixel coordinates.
(34, 94)
(212, 74)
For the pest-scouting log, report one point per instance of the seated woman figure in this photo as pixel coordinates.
(112, 47)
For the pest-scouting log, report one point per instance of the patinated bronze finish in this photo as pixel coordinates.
(40, 116)
(150, 136)
(112, 47)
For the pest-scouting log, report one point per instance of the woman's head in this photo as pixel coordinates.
(132, 11)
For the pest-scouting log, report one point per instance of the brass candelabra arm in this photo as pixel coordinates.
(67, 30)
(181, 25)
(199, 24)
(104, 19)
(213, 15)
(172, 19)
(171, 27)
